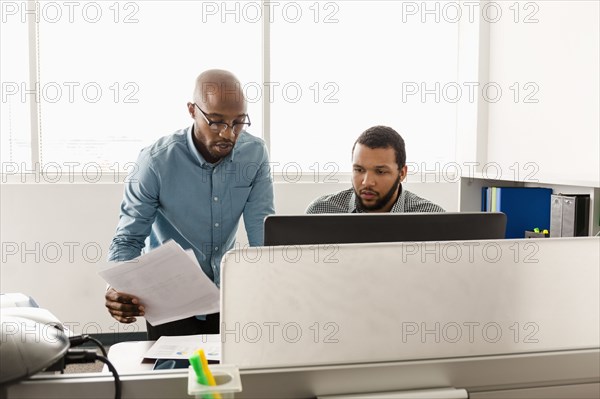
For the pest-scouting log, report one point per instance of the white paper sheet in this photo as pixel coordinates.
(184, 346)
(169, 283)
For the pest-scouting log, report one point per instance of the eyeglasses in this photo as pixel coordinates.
(220, 127)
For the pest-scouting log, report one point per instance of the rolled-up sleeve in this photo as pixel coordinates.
(138, 211)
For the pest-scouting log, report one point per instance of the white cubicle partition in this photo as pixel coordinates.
(362, 303)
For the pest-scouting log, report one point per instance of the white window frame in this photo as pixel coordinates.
(471, 125)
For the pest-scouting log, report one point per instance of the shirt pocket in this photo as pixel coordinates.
(239, 196)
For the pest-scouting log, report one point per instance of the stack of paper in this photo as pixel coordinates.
(184, 346)
(168, 281)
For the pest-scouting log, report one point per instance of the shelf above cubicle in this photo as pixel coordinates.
(469, 193)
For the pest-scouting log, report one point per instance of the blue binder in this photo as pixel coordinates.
(484, 203)
(525, 209)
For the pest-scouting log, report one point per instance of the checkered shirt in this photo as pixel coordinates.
(345, 202)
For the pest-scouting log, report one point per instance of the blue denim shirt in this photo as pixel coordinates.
(175, 194)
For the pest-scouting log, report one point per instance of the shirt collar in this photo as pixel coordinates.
(200, 158)
(398, 206)
(352, 202)
(400, 201)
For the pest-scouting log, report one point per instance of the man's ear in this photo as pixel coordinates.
(191, 109)
(403, 173)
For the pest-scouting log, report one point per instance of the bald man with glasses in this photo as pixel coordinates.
(193, 187)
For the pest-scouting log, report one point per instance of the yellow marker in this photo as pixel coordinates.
(209, 377)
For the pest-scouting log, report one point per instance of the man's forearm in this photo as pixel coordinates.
(122, 249)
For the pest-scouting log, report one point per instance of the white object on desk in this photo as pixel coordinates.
(444, 393)
(320, 305)
(227, 378)
(128, 357)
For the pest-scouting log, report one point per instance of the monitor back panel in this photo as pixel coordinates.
(390, 227)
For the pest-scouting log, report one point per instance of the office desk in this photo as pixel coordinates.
(565, 374)
(561, 374)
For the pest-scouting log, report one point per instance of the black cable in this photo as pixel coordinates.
(77, 340)
(89, 356)
(99, 345)
(115, 374)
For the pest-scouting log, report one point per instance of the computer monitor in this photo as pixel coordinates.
(350, 228)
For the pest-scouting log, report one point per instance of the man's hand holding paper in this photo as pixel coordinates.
(160, 294)
(123, 307)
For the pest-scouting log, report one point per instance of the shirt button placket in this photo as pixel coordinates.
(217, 209)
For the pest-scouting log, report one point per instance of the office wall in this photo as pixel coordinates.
(55, 238)
(554, 122)
(51, 233)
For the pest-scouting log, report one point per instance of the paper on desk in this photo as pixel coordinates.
(169, 283)
(184, 346)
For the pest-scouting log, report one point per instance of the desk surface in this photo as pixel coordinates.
(520, 375)
(128, 357)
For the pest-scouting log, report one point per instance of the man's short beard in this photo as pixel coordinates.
(381, 203)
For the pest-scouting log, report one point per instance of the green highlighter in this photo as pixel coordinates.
(197, 366)
(200, 376)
